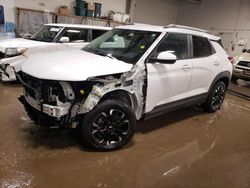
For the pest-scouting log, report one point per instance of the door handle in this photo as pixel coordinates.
(186, 67)
(216, 63)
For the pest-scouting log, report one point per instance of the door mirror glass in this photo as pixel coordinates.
(244, 50)
(64, 39)
(166, 57)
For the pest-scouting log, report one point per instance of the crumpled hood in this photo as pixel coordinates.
(72, 65)
(244, 57)
(19, 42)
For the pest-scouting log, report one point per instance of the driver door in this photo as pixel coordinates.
(168, 83)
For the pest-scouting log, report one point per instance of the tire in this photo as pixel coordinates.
(216, 97)
(109, 126)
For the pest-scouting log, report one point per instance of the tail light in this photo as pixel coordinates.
(232, 60)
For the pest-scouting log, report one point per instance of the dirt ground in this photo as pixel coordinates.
(185, 148)
(240, 88)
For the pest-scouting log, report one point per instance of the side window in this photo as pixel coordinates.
(96, 33)
(201, 47)
(175, 43)
(76, 35)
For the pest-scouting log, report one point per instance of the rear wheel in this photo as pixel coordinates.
(110, 125)
(216, 97)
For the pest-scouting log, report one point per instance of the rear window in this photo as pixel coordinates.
(201, 47)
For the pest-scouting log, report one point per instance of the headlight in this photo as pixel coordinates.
(10, 52)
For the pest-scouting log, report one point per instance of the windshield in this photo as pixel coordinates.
(124, 45)
(46, 33)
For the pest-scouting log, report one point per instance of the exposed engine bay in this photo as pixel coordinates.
(60, 103)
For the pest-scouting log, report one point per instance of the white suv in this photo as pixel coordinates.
(130, 73)
(241, 66)
(48, 38)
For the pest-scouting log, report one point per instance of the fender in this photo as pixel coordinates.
(221, 75)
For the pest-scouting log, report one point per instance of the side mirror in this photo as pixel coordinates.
(166, 57)
(244, 50)
(64, 39)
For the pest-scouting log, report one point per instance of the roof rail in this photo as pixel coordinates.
(186, 27)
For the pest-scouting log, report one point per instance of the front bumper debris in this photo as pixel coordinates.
(52, 111)
(7, 73)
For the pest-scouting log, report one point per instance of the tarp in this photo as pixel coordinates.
(69, 20)
(94, 22)
(31, 21)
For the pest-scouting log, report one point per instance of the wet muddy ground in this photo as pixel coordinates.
(240, 88)
(185, 148)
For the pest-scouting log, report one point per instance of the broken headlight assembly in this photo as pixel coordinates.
(7, 69)
(3, 67)
(12, 52)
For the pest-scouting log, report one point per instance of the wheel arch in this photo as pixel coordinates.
(119, 94)
(224, 77)
(125, 96)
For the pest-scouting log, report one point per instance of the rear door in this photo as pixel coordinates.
(169, 82)
(206, 65)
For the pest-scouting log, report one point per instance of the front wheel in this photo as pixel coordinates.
(109, 126)
(216, 97)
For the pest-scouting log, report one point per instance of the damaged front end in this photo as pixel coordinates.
(7, 72)
(63, 104)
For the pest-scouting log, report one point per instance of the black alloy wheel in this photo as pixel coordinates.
(216, 97)
(110, 125)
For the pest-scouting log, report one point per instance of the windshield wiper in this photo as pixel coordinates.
(104, 54)
(101, 53)
(110, 56)
(97, 52)
(39, 40)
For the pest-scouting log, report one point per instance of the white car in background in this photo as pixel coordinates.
(129, 73)
(50, 37)
(241, 67)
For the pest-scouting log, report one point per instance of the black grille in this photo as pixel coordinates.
(41, 89)
(30, 83)
(244, 63)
